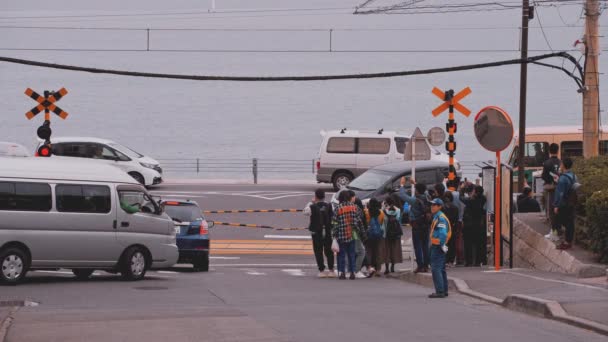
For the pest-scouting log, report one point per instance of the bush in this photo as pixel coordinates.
(597, 223)
(592, 173)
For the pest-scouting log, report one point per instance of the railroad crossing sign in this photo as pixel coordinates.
(436, 136)
(451, 101)
(46, 103)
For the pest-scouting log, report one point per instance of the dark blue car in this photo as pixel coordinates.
(192, 232)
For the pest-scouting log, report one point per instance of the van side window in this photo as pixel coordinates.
(341, 145)
(571, 149)
(83, 198)
(401, 143)
(132, 201)
(374, 145)
(604, 148)
(25, 196)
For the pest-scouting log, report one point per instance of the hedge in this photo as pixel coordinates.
(593, 175)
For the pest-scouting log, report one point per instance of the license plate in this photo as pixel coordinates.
(177, 230)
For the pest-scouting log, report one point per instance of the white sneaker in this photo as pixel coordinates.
(322, 275)
(331, 274)
(360, 275)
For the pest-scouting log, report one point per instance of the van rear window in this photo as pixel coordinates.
(76, 198)
(20, 196)
(341, 145)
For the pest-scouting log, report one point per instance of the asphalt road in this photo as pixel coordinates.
(274, 297)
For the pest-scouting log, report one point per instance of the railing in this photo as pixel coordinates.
(258, 166)
(239, 166)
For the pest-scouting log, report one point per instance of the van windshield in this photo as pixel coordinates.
(370, 180)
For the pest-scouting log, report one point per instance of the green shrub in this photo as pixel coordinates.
(592, 173)
(597, 223)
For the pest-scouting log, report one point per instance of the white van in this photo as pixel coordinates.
(59, 213)
(145, 170)
(345, 154)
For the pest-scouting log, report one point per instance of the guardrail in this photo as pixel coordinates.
(258, 166)
(239, 166)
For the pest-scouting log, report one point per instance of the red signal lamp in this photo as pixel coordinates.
(44, 151)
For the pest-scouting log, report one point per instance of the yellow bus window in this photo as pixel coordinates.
(571, 149)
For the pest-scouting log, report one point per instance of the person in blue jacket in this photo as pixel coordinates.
(441, 232)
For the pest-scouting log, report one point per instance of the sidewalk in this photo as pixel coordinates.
(585, 301)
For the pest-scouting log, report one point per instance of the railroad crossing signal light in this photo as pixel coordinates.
(44, 150)
(44, 131)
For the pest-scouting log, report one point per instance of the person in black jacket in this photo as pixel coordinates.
(526, 203)
(474, 230)
(320, 214)
(550, 176)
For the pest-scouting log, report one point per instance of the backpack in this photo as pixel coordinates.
(405, 213)
(323, 219)
(375, 231)
(393, 227)
(573, 193)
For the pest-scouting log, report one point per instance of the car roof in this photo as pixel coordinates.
(405, 166)
(364, 133)
(559, 130)
(81, 139)
(62, 169)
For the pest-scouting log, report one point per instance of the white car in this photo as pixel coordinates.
(145, 170)
(9, 149)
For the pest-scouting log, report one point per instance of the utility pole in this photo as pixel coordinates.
(591, 105)
(523, 85)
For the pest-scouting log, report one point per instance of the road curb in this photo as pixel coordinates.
(526, 304)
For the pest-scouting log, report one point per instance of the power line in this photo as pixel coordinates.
(540, 23)
(295, 78)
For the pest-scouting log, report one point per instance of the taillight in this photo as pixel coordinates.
(318, 164)
(204, 229)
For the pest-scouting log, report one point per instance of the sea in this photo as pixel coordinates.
(213, 120)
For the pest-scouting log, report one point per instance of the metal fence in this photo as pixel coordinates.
(258, 166)
(254, 166)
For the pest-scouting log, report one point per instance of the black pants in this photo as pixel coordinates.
(322, 245)
(565, 217)
(474, 246)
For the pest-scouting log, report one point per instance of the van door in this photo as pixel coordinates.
(340, 153)
(373, 152)
(140, 221)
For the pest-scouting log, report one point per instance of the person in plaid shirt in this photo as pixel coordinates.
(347, 221)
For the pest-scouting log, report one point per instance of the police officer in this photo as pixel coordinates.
(441, 231)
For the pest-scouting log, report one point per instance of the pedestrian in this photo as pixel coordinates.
(320, 213)
(347, 221)
(565, 202)
(420, 222)
(375, 244)
(441, 231)
(550, 177)
(360, 238)
(526, 203)
(474, 229)
(393, 234)
(451, 212)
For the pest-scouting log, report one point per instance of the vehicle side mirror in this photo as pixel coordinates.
(211, 224)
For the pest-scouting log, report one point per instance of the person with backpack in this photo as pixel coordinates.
(320, 213)
(566, 198)
(420, 222)
(347, 223)
(441, 232)
(375, 244)
(360, 239)
(392, 234)
(550, 177)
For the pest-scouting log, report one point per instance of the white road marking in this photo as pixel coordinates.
(297, 237)
(264, 265)
(294, 272)
(267, 195)
(224, 258)
(56, 272)
(167, 272)
(556, 281)
(255, 273)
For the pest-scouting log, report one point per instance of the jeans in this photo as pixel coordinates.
(361, 257)
(565, 217)
(420, 241)
(440, 278)
(322, 245)
(346, 250)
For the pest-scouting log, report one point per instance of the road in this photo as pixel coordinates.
(259, 297)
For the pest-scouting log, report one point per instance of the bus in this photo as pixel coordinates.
(538, 139)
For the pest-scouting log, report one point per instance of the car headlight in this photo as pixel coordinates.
(149, 166)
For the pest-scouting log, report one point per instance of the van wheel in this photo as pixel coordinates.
(341, 180)
(201, 264)
(138, 177)
(82, 273)
(134, 264)
(14, 265)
